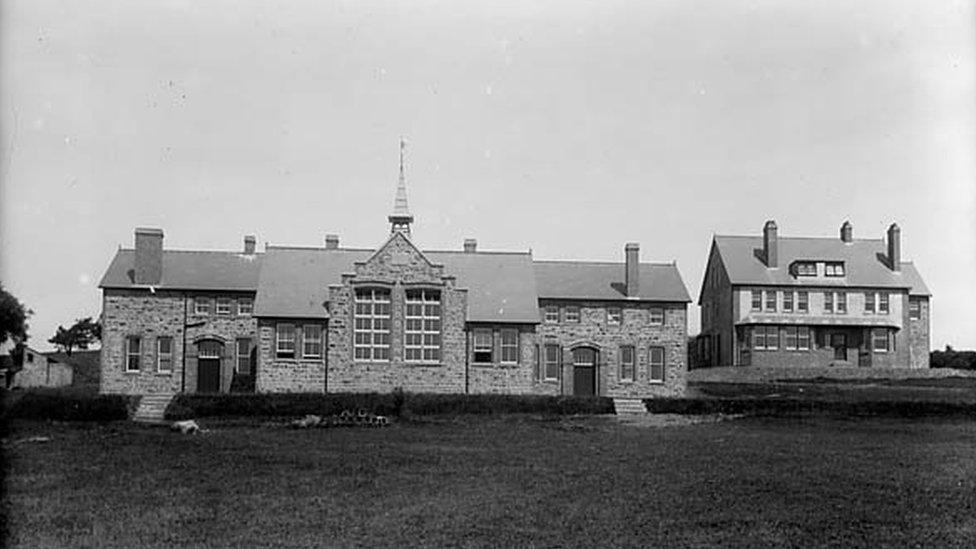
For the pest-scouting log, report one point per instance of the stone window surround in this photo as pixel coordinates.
(160, 355)
(298, 327)
(315, 328)
(914, 309)
(651, 316)
(281, 352)
(631, 364)
(423, 290)
(224, 305)
(130, 355)
(238, 357)
(550, 314)
(546, 363)
(501, 346)
(882, 335)
(372, 287)
(566, 314)
(651, 364)
(615, 315)
(207, 304)
(241, 308)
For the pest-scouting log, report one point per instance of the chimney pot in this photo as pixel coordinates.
(149, 256)
(470, 245)
(847, 232)
(894, 247)
(770, 244)
(331, 241)
(632, 268)
(249, 243)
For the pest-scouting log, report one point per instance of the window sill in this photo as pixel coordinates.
(656, 382)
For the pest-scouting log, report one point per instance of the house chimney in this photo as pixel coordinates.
(331, 241)
(249, 242)
(632, 268)
(847, 232)
(894, 247)
(770, 244)
(149, 256)
(470, 245)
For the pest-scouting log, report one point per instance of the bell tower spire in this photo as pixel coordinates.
(401, 218)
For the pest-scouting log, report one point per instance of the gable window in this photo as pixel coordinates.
(243, 348)
(164, 354)
(627, 363)
(880, 340)
(657, 316)
(571, 314)
(371, 324)
(789, 338)
(802, 302)
(423, 326)
(483, 346)
(805, 268)
(841, 302)
(914, 309)
(552, 363)
(656, 365)
(883, 303)
(771, 300)
(509, 345)
(223, 305)
(803, 338)
(834, 268)
(788, 301)
(868, 302)
(756, 300)
(245, 306)
(132, 347)
(285, 341)
(311, 341)
(201, 305)
(614, 315)
(828, 302)
(551, 314)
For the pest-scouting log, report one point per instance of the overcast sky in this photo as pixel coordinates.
(567, 127)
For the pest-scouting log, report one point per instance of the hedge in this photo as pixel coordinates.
(387, 404)
(65, 405)
(787, 407)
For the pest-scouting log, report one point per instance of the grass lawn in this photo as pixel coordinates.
(502, 481)
(948, 390)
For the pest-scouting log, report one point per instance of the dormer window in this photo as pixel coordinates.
(834, 268)
(805, 268)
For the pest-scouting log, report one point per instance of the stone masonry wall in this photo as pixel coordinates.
(918, 334)
(289, 375)
(513, 379)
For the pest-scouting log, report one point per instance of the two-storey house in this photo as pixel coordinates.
(772, 301)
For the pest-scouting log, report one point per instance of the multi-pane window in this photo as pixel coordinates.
(765, 337)
(828, 302)
(806, 268)
(285, 340)
(756, 300)
(914, 309)
(834, 269)
(245, 306)
(771, 300)
(656, 364)
(803, 338)
(883, 303)
(571, 314)
(423, 326)
(371, 324)
(483, 343)
(311, 341)
(614, 315)
(551, 314)
(868, 302)
(657, 316)
(788, 301)
(802, 302)
(841, 302)
(880, 340)
(509, 346)
(772, 338)
(552, 362)
(164, 354)
(627, 363)
(789, 338)
(223, 305)
(201, 305)
(132, 347)
(243, 348)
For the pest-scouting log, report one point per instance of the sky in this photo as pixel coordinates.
(566, 127)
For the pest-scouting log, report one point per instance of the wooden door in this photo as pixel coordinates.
(584, 372)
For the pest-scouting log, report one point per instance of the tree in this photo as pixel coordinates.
(81, 334)
(13, 318)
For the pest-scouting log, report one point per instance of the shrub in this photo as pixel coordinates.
(950, 358)
(65, 405)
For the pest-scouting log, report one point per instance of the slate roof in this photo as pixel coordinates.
(190, 270)
(864, 263)
(605, 281)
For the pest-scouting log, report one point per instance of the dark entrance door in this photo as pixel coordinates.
(584, 372)
(208, 366)
(839, 343)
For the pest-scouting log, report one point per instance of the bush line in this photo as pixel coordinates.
(65, 405)
(787, 407)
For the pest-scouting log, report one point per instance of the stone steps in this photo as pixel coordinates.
(629, 406)
(152, 408)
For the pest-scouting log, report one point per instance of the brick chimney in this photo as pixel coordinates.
(149, 256)
(894, 247)
(249, 243)
(470, 245)
(632, 268)
(331, 242)
(847, 232)
(770, 244)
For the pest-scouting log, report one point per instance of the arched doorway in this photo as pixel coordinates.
(208, 365)
(584, 371)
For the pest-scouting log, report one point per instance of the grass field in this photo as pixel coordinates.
(949, 390)
(503, 481)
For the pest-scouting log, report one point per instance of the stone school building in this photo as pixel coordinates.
(336, 319)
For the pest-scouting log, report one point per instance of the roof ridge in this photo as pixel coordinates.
(483, 252)
(179, 251)
(316, 248)
(590, 262)
(759, 236)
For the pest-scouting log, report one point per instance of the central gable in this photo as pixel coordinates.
(399, 261)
